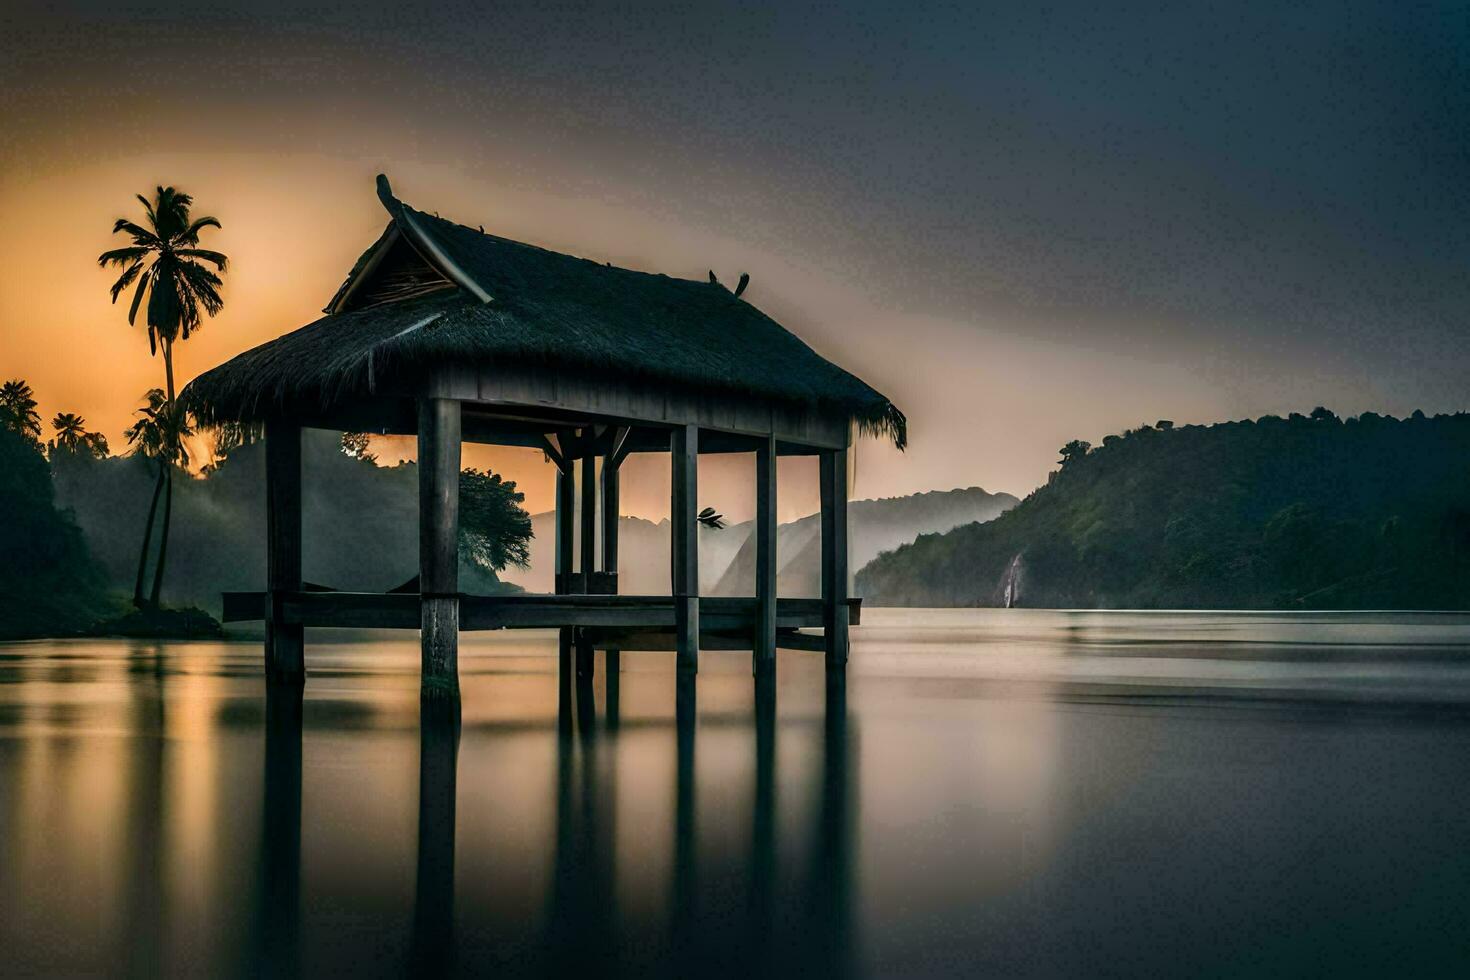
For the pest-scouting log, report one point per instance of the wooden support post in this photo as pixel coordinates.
(284, 654)
(611, 513)
(566, 500)
(566, 505)
(587, 561)
(589, 521)
(834, 555)
(438, 465)
(765, 557)
(685, 454)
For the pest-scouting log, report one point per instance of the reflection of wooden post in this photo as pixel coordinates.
(438, 464)
(276, 936)
(284, 657)
(433, 901)
(685, 466)
(834, 555)
(765, 556)
(684, 917)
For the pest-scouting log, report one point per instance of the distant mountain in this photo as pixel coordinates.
(727, 557)
(1303, 512)
(873, 526)
(644, 554)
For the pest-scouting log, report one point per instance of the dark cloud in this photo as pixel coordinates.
(1263, 184)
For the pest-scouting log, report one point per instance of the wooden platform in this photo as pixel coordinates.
(612, 620)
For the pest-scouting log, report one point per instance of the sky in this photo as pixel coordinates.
(1023, 223)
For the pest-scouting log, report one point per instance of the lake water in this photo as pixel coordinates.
(990, 793)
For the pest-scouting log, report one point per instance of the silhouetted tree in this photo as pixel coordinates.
(72, 436)
(158, 435)
(167, 265)
(1074, 451)
(355, 444)
(227, 437)
(18, 410)
(494, 532)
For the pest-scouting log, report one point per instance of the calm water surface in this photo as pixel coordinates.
(990, 793)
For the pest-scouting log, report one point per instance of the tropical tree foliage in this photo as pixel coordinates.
(49, 583)
(494, 532)
(18, 410)
(356, 445)
(158, 435)
(1305, 512)
(72, 436)
(165, 265)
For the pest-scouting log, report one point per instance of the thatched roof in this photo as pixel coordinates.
(473, 298)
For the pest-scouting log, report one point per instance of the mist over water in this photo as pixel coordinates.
(991, 792)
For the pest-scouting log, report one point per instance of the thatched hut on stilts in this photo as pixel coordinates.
(456, 335)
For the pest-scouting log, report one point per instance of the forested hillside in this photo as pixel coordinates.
(361, 521)
(1302, 512)
(49, 582)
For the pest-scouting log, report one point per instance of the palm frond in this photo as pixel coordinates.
(122, 256)
(218, 259)
(138, 297)
(148, 210)
(126, 279)
(190, 235)
(141, 236)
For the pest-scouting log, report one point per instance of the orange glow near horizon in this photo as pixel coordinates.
(986, 406)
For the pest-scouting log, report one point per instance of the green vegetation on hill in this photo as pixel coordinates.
(874, 526)
(1302, 512)
(49, 583)
(361, 521)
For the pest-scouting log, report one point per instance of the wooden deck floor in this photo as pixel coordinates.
(651, 614)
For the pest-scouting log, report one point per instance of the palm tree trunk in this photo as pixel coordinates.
(168, 367)
(168, 507)
(147, 539)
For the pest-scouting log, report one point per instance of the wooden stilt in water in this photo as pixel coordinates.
(765, 558)
(834, 555)
(586, 661)
(438, 465)
(566, 499)
(588, 556)
(285, 662)
(614, 685)
(611, 513)
(685, 466)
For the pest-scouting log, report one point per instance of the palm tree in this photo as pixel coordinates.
(18, 410)
(72, 436)
(158, 435)
(166, 263)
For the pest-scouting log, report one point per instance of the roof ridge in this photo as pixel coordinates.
(432, 250)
